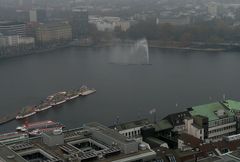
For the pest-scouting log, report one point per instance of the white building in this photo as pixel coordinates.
(132, 129)
(15, 40)
(109, 23)
(193, 129)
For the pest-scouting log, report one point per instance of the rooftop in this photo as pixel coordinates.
(209, 110)
(132, 124)
(7, 155)
(229, 157)
(92, 142)
(155, 140)
(232, 105)
(178, 118)
(163, 125)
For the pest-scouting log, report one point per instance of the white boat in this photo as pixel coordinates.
(24, 116)
(88, 92)
(36, 128)
(40, 131)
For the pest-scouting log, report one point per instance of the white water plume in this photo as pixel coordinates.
(136, 53)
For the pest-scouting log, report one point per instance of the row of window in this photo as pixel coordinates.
(221, 121)
(220, 136)
(132, 133)
(222, 129)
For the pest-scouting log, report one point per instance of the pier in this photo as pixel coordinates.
(51, 101)
(8, 118)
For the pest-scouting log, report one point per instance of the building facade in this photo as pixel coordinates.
(38, 15)
(53, 32)
(209, 122)
(13, 28)
(15, 41)
(221, 121)
(92, 142)
(79, 23)
(108, 23)
(132, 129)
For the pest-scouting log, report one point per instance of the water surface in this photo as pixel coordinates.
(174, 81)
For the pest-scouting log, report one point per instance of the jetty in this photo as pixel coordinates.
(51, 101)
(8, 118)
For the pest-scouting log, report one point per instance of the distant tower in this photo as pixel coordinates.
(79, 23)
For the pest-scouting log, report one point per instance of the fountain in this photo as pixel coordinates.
(136, 54)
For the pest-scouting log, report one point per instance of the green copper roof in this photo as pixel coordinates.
(233, 105)
(209, 110)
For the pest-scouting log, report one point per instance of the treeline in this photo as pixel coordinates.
(216, 31)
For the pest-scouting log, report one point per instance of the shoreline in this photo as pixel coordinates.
(35, 52)
(112, 44)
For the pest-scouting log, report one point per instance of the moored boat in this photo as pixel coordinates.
(37, 128)
(88, 92)
(58, 101)
(57, 98)
(43, 106)
(26, 112)
(71, 95)
(82, 89)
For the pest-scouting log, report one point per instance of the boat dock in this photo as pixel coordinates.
(54, 100)
(51, 101)
(8, 118)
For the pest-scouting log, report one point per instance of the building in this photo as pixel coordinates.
(216, 150)
(12, 28)
(216, 119)
(181, 20)
(132, 129)
(234, 106)
(92, 142)
(53, 32)
(22, 16)
(79, 23)
(38, 15)
(33, 16)
(193, 129)
(123, 25)
(177, 120)
(16, 41)
(208, 122)
(213, 9)
(108, 23)
(228, 157)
